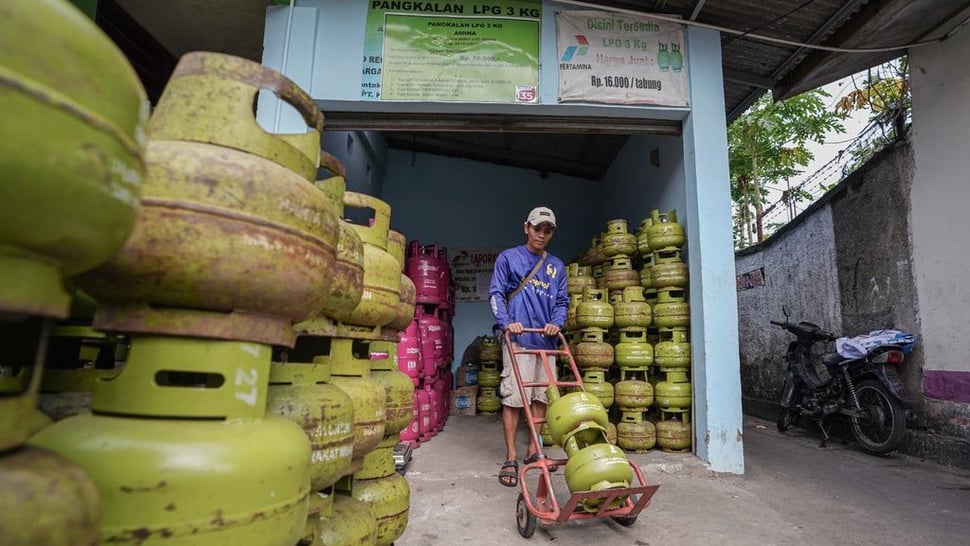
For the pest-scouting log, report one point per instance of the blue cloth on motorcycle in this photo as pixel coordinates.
(860, 346)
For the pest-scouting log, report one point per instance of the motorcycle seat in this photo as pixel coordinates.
(832, 359)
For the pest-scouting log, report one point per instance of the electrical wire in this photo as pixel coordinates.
(792, 43)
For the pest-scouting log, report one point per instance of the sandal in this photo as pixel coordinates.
(509, 478)
(535, 458)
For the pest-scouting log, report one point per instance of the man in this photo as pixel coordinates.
(539, 302)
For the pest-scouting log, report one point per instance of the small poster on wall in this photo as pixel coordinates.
(462, 51)
(471, 272)
(617, 58)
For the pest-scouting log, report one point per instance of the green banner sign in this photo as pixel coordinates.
(454, 51)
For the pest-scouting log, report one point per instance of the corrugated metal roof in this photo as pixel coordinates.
(751, 65)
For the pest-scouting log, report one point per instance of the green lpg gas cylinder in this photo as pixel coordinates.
(631, 309)
(303, 393)
(592, 352)
(351, 372)
(347, 284)
(547, 439)
(408, 296)
(488, 400)
(380, 462)
(671, 311)
(594, 311)
(489, 376)
(643, 238)
(578, 415)
(632, 349)
(224, 231)
(611, 433)
(490, 352)
(389, 498)
(664, 231)
(621, 274)
(633, 395)
(65, 393)
(634, 433)
(398, 386)
(617, 241)
(595, 468)
(578, 279)
(674, 392)
(595, 255)
(595, 383)
(673, 431)
(352, 523)
(673, 351)
(71, 152)
(209, 99)
(668, 270)
(571, 324)
(45, 499)
(382, 273)
(182, 452)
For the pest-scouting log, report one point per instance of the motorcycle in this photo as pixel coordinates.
(866, 390)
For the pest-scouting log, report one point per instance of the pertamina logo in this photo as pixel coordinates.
(576, 50)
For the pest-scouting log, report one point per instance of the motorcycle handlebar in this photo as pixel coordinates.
(776, 323)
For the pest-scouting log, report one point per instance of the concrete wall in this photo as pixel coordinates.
(847, 265)
(940, 194)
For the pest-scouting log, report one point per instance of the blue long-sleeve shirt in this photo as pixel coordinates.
(544, 300)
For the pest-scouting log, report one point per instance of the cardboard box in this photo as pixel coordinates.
(463, 400)
(466, 376)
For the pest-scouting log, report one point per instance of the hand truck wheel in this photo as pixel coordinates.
(524, 519)
(625, 521)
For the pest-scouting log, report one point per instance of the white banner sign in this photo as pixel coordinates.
(471, 272)
(620, 59)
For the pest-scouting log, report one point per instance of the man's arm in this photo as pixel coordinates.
(496, 291)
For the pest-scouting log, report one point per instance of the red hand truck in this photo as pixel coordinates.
(541, 505)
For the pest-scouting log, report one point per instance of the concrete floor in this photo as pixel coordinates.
(793, 492)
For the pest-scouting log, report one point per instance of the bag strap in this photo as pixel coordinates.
(528, 277)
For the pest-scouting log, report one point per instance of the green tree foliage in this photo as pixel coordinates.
(767, 145)
(885, 94)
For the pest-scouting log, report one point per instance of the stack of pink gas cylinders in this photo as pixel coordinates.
(427, 348)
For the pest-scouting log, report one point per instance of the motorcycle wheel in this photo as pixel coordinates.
(883, 421)
(786, 417)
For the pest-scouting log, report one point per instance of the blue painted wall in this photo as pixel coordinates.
(633, 186)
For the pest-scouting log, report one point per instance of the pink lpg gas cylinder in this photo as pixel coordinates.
(444, 276)
(409, 359)
(422, 266)
(442, 387)
(428, 329)
(425, 413)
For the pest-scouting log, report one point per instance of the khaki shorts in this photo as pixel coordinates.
(531, 370)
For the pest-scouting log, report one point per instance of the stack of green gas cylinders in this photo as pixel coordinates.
(628, 330)
(212, 345)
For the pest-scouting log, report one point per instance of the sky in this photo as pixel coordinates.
(819, 170)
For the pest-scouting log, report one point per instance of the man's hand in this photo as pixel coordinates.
(515, 328)
(550, 330)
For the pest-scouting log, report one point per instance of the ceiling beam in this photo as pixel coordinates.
(493, 154)
(393, 121)
(697, 10)
(836, 19)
